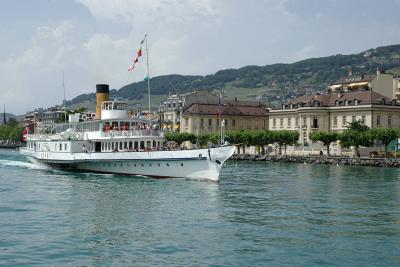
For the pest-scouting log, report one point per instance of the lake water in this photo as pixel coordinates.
(259, 214)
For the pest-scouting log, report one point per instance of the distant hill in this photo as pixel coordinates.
(275, 82)
(8, 116)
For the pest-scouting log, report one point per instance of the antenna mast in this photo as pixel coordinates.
(4, 115)
(65, 111)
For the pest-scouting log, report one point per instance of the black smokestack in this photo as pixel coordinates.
(102, 88)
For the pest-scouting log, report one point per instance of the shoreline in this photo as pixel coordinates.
(370, 162)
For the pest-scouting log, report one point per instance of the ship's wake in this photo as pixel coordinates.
(22, 164)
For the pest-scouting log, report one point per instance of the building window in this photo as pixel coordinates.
(335, 121)
(363, 119)
(209, 122)
(344, 121)
(389, 120)
(233, 123)
(281, 122)
(315, 122)
(353, 118)
(296, 122)
(304, 124)
(289, 122)
(201, 122)
(60, 147)
(378, 120)
(274, 123)
(186, 121)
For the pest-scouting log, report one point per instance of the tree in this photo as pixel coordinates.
(180, 137)
(356, 135)
(384, 135)
(325, 137)
(284, 138)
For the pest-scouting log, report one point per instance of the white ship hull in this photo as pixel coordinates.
(196, 164)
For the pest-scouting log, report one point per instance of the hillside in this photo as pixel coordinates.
(8, 116)
(275, 82)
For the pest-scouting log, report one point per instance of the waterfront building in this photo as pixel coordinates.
(171, 107)
(203, 118)
(383, 83)
(333, 112)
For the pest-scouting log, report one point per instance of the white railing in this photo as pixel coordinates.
(132, 133)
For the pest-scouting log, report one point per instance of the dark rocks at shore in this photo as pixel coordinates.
(394, 163)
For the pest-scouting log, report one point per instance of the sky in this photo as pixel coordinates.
(95, 41)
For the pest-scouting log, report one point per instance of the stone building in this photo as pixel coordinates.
(203, 118)
(332, 112)
(383, 83)
(171, 107)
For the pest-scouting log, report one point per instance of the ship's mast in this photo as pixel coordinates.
(65, 111)
(148, 78)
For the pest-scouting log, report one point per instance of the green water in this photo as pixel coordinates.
(259, 214)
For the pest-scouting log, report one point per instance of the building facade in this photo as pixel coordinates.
(333, 112)
(383, 83)
(204, 118)
(171, 108)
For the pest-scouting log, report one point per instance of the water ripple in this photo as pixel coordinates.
(259, 214)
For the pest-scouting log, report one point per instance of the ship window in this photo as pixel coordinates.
(134, 165)
(158, 164)
(55, 147)
(130, 145)
(150, 165)
(122, 165)
(65, 146)
(142, 165)
(120, 145)
(125, 145)
(60, 147)
(182, 164)
(115, 165)
(167, 164)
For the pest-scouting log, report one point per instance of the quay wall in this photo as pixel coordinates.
(372, 162)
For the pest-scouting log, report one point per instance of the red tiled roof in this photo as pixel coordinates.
(225, 109)
(363, 97)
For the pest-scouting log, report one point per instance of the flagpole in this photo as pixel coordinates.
(148, 78)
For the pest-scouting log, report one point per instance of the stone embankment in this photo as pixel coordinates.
(10, 144)
(374, 162)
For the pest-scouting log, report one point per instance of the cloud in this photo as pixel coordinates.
(29, 75)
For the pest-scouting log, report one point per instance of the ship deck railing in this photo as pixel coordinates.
(132, 133)
(96, 135)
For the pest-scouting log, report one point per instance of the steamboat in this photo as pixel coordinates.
(115, 143)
